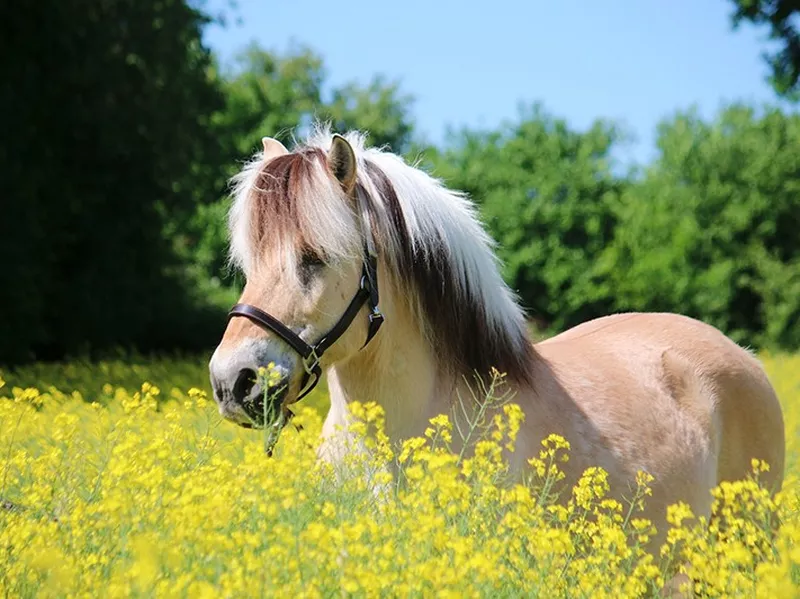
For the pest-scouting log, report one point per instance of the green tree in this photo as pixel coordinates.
(711, 231)
(266, 93)
(782, 18)
(279, 94)
(105, 110)
(380, 109)
(546, 194)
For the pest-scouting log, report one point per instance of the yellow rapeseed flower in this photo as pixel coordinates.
(148, 494)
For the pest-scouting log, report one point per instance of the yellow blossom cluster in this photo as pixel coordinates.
(151, 494)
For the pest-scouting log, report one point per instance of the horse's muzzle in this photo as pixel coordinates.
(243, 396)
(264, 405)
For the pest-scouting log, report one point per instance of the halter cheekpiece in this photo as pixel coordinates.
(312, 354)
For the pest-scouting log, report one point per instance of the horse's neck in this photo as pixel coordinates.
(398, 371)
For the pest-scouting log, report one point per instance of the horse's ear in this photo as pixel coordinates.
(342, 161)
(272, 148)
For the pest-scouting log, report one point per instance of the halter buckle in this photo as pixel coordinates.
(376, 316)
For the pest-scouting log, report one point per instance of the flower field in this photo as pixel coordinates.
(120, 480)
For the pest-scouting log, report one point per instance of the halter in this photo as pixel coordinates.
(312, 354)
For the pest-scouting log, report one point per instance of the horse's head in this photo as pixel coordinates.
(304, 230)
(300, 233)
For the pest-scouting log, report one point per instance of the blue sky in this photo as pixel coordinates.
(473, 63)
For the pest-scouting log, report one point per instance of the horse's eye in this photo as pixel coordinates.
(310, 264)
(310, 259)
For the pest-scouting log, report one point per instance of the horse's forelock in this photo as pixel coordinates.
(289, 204)
(278, 198)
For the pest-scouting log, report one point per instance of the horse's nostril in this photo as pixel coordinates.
(217, 388)
(244, 385)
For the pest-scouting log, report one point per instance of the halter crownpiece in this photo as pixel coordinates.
(312, 354)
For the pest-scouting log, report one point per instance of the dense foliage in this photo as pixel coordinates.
(708, 230)
(147, 492)
(105, 116)
(121, 132)
(712, 229)
(782, 18)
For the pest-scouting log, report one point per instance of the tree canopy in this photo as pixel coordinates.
(711, 231)
(782, 18)
(122, 131)
(105, 110)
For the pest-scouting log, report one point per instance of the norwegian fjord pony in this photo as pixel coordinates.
(365, 267)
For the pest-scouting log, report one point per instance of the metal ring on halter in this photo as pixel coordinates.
(313, 364)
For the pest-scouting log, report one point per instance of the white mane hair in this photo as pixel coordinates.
(440, 225)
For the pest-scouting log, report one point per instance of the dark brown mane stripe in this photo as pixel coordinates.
(278, 188)
(456, 322)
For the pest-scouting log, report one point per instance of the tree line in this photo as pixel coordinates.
(121, 130)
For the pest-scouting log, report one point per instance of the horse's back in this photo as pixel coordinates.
(669, 393)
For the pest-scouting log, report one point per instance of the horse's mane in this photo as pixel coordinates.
(428, 236)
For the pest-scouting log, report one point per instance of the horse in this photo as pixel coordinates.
(370, 269)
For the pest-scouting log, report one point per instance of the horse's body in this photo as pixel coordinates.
(655, 392)
(661, 393)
